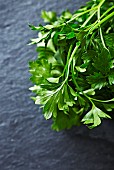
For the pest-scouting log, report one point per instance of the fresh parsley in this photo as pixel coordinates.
(73, 74)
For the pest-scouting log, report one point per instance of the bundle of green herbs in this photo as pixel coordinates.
(73, 74)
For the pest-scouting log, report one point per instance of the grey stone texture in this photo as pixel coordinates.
(26, 139)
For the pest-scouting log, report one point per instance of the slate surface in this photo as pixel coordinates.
(26, 139)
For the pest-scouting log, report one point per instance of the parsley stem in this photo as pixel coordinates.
(89, 18)
(100, 4)
(89, 10)
(107, 11)
(80, 14)
(101, 17)
(101, 35)
(77, 15)
(102, 101)
(71, 58)
(68, 66)
(101, 22)
(73, 78)
(68, 56)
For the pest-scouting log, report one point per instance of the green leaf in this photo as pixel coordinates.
(53, 80)
(49, 27)
(89, 92)
(97, 120)
(111, 77)
(40, 70)
(50, 86)
(81, 101)
(58, 57)
(48, 16)
(39, 28)
(78, 68)
(66, 94)
(66, 14)
(50, 107)
(70, 35)
(102, 62)
(97, 81)
(61, 102)
(72, 91)
(109, 39)
(47, 115)
(89, 55)
(34, 88)
(44, 51)
(80, 35)
(93, 117)
(33, 98)
(64, 121)
(109, 107)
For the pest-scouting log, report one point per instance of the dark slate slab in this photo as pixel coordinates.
(26, 139)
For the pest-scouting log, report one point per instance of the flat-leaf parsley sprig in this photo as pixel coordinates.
(73, 74)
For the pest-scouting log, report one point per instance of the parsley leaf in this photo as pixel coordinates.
(93, 117)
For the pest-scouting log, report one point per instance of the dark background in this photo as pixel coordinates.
(26, 139)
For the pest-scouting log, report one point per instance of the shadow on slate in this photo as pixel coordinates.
(26, 139)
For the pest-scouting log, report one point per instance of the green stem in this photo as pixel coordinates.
(73, 78)
(68, 65)
(84, 24)
(101, 22)
(68, 56)
(89, 10)
(101, 35)
(100, 4)
(92, 25)
(71, 58)
(78, 15)
(102, 101)
(107, 11)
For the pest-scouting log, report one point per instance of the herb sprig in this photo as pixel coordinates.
(73, 74)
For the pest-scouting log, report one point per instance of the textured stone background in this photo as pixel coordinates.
(26, 139)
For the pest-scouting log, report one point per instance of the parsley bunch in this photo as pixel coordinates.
(73, 74)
